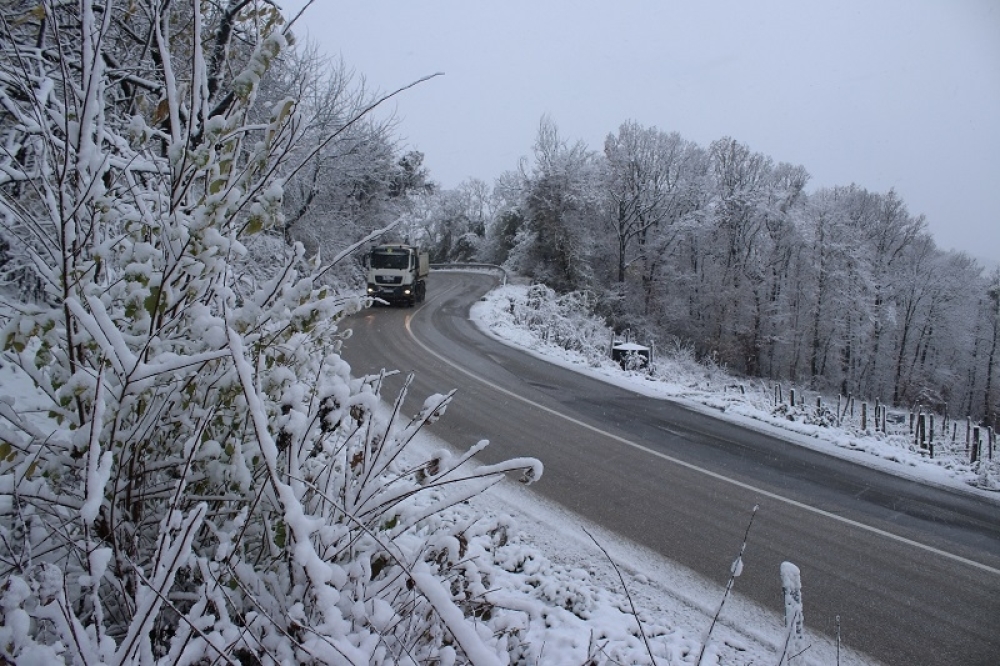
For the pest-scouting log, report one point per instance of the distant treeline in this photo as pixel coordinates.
(840, 288)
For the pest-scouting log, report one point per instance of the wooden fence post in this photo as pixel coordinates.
(864, 416)
(791, 397)
(930, 433)
(975, 445)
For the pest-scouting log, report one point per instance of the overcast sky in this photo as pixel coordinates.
(886, 94)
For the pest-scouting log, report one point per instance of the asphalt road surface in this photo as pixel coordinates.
(913, 571)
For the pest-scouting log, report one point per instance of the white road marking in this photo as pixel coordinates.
(702, 470)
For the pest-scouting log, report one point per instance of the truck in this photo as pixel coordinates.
(397, 273)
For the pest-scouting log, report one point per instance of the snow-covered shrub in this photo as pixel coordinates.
(209, 484)
(808, 414)
(565, 320)
(634, 361)
(986, 474)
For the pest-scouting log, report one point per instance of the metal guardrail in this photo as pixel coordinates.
(494, 268)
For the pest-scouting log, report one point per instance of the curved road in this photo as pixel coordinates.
(912, 571)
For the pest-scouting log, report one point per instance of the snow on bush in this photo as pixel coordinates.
(808, 414)
(562, 320)
(207, 483)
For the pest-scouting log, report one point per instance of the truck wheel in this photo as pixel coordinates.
(421, 292)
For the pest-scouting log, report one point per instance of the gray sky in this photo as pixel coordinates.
(902, 94)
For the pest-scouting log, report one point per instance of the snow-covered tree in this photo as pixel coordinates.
(561, 212)
(655, 190)
(746, 243)
(209, 484)
(451, 224)
(645, 170)
(839, 288)
(506, 219)
(352, 178)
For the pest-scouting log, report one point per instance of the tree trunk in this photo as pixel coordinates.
(987, 411)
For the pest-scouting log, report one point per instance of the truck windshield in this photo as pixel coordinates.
(397, 260)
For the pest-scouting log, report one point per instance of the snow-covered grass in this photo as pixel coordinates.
(517, 315)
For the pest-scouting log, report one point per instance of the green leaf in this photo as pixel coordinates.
(279, 535)
(151, 301)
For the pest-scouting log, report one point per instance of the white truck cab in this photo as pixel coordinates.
(397, 273)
